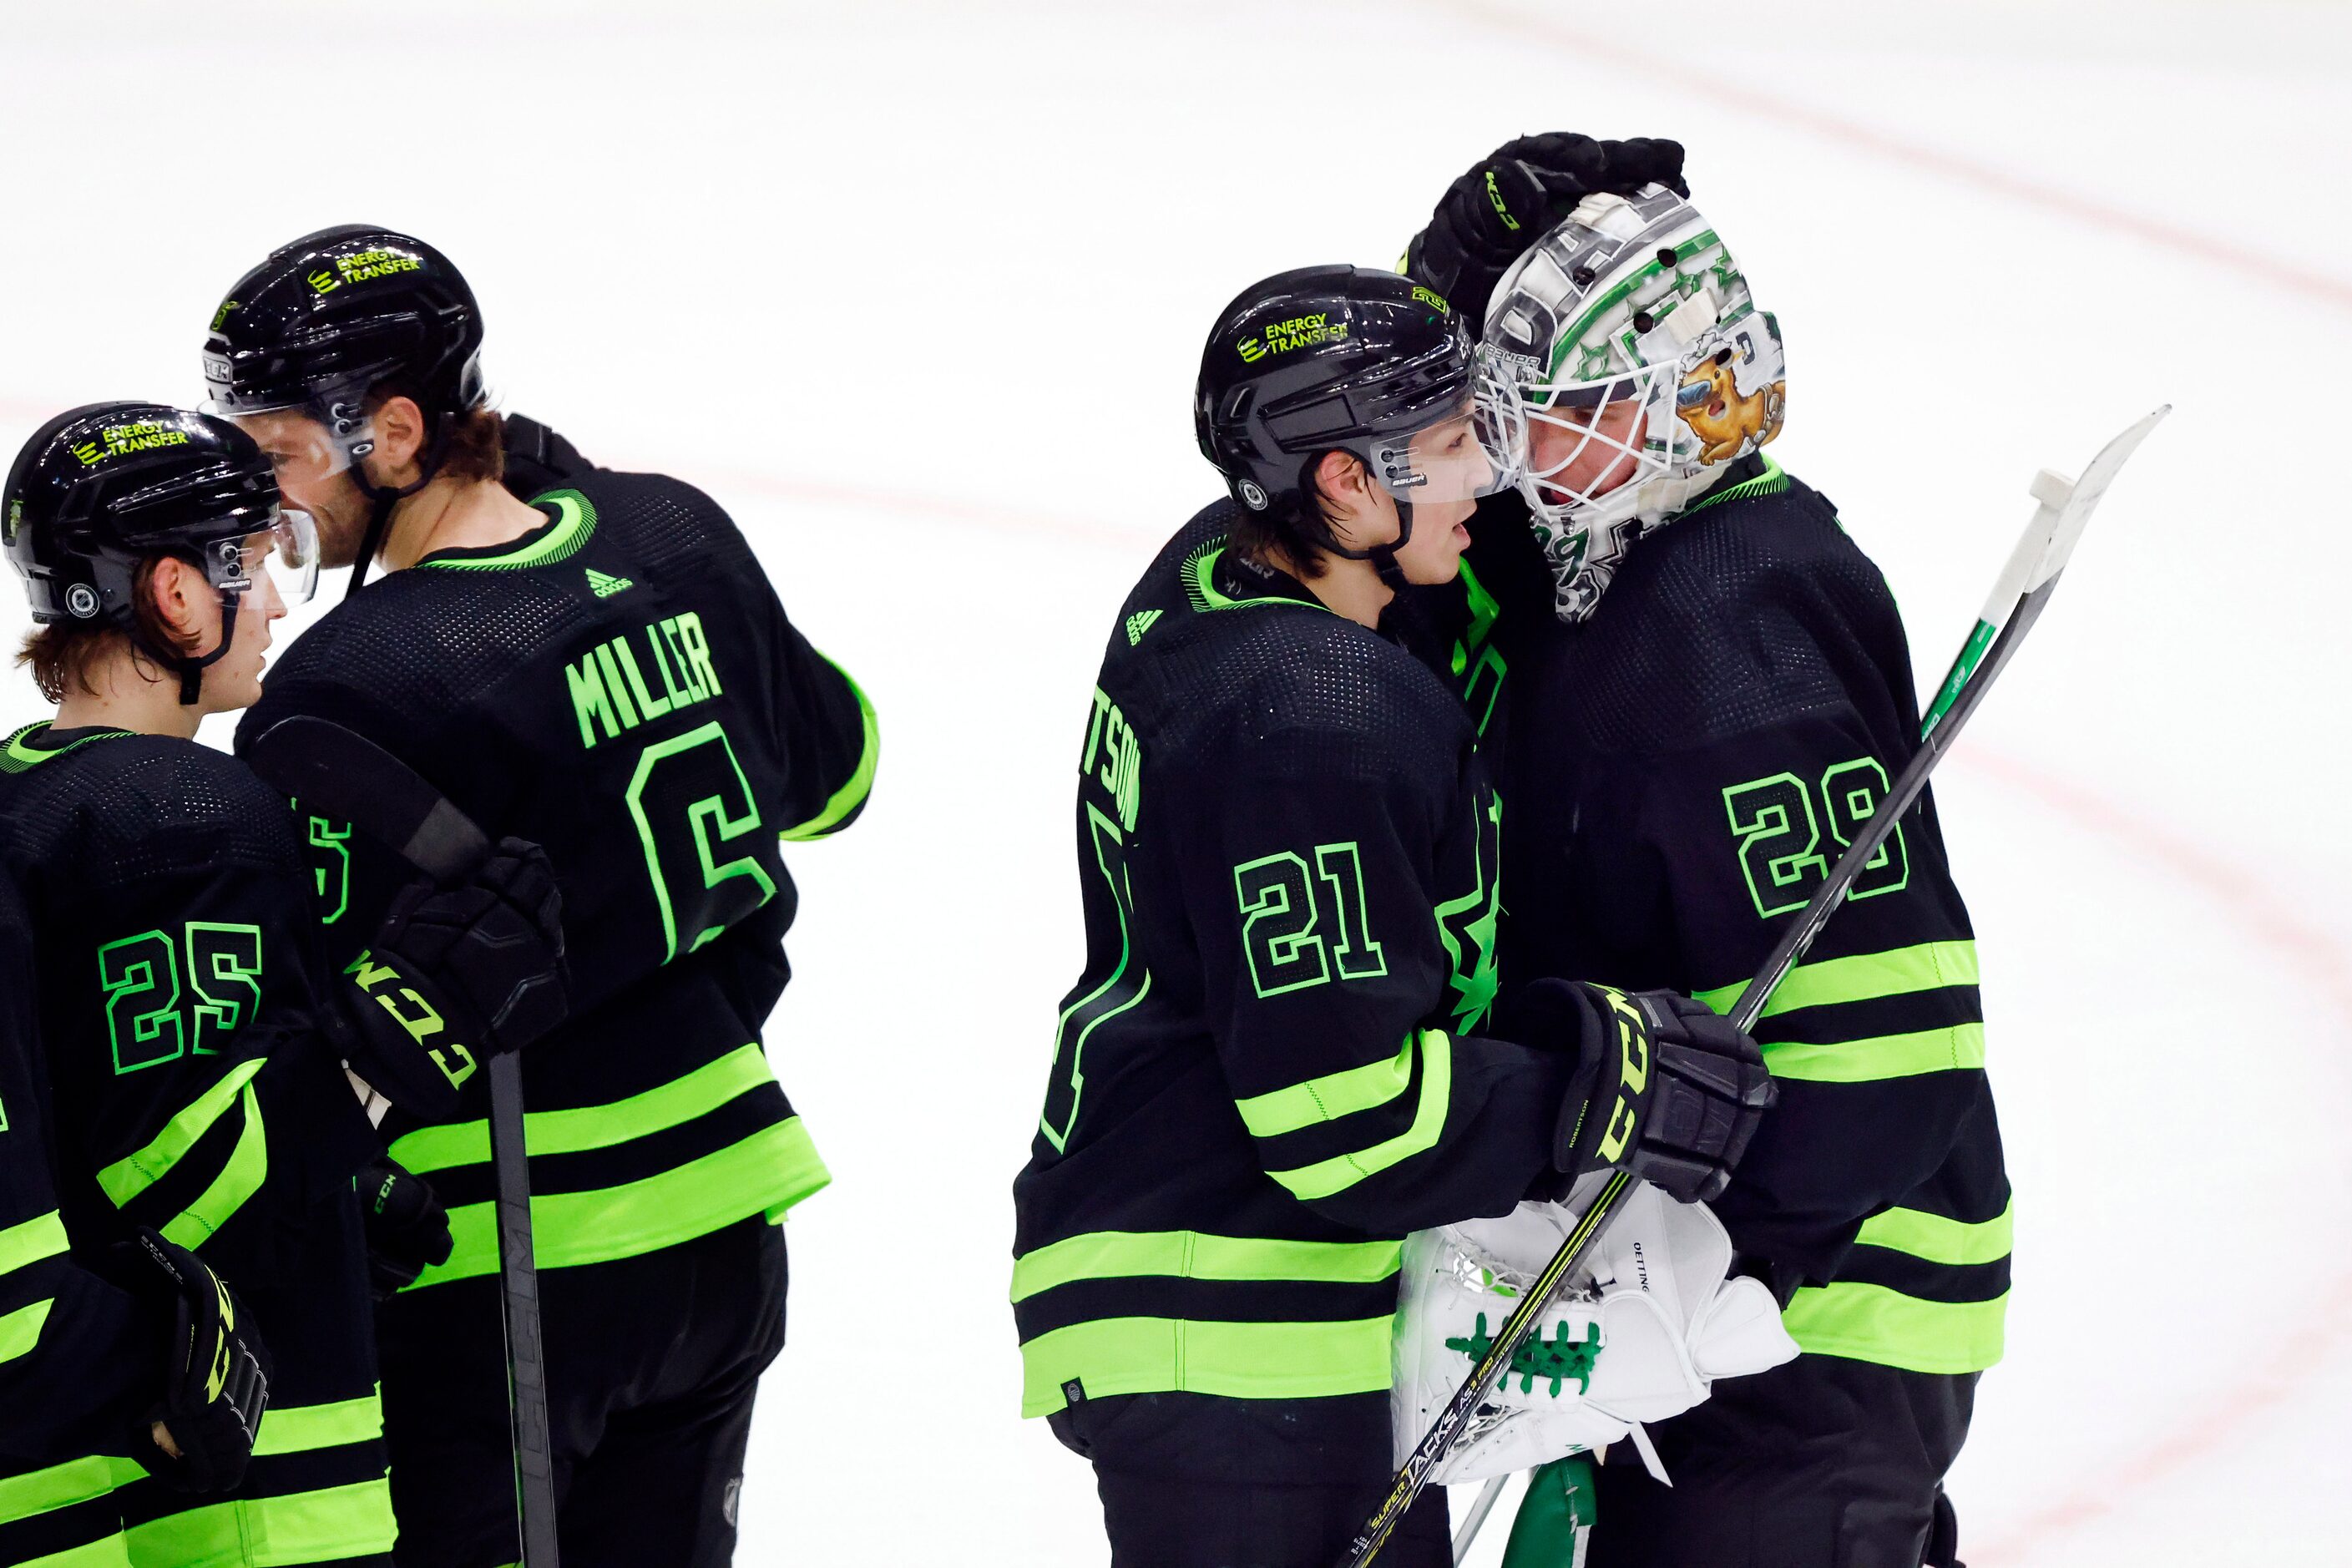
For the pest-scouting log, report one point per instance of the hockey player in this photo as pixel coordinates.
(1710, 686)
(1274, 1066)
(608, 671)
(106, 1352)
(191, 1035)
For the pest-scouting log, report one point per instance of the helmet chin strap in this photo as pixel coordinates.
(383, 499)
(192, 670)
(1384, 556)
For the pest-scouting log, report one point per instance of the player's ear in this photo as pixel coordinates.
(173, 587)
(1344, 487)
(400, 436)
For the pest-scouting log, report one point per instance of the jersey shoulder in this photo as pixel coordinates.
(1236, 672)
(663, 524)
(115, 811)
(1736, 616)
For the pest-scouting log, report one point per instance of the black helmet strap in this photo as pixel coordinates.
(1384, 556)
(383, 498)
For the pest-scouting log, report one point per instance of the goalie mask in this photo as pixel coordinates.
(1631, 367)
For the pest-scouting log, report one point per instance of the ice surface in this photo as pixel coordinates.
(919, 292)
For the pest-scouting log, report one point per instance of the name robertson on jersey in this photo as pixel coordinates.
(611, 691)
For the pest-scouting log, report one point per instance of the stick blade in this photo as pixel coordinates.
(2083, 498)
(342, 774)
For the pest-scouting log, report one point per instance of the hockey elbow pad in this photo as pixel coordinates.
(457, 975)
(200, 1434)
(1664, 1087)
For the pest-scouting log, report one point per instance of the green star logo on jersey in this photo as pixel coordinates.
(1467, 926)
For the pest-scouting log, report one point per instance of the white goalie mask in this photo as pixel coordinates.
(1630, 367)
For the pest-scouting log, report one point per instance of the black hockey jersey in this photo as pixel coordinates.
(79, 1356)
(195, 1088)
(1272, 1066)
(1684, 769)
(621, 686)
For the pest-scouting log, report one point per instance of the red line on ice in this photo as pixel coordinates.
(1719, 91)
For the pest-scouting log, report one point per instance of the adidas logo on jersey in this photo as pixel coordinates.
(1137, 623)
(606, 585)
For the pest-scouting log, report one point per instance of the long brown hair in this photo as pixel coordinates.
(64, 654)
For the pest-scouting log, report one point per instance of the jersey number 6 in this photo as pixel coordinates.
(689, 798)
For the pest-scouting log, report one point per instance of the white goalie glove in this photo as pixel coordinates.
(1639, 1334)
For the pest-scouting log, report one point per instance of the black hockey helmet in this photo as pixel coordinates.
(334, 315)
(1333, 358)
(100, 490)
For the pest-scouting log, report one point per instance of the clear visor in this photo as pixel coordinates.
(280, 560)
(1579, 440)
(1460, 457)
(301, 446)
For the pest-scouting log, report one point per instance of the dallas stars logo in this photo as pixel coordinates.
(1726, 273)
(1689, 283)
(1591, 361)
(1467, 926)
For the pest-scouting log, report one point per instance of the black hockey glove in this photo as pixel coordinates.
(216, 1372)
(407, 1229)
(537, 458)
(459, 973)
(1663, 1086)
(1514, 196)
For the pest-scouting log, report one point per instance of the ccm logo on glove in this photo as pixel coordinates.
(1633, 1074)
(414, 1013)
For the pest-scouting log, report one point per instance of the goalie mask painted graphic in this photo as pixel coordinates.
(1629, 366)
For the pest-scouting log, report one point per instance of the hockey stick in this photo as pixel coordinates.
(2019, 595)
(344, 775)
(1488, 1496)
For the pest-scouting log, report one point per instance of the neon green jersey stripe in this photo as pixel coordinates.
(62, 1486)
(1872, 1323)
(845, 799)
(1929, 966)
(1238, 1361)
(1200, 573)
(678, 1102)
(1771, 482)
(303, 1427)
(239, 1179)
(135, 1173)
(1328, 1097)
(1195, 1255)
(320, 1526)
(1938, 1239)
(1341, 1171)
(108, 1553)
(20, 1330)
(1879, 1056)
(20, 753)
(768, 1172)
(575, 520)
(27, 1243)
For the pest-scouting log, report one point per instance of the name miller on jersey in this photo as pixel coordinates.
(608, 686)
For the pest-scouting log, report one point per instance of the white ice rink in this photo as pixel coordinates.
(919, 292)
